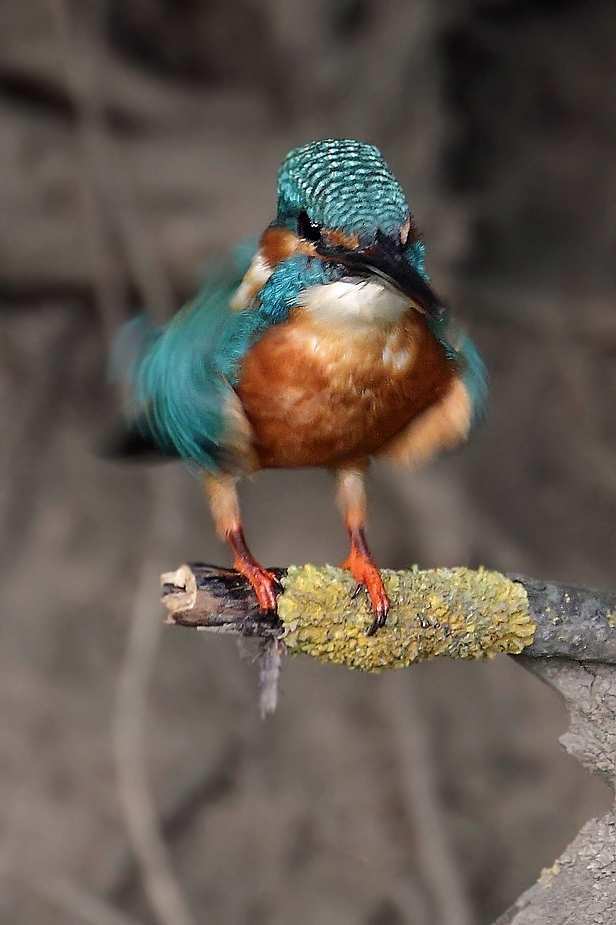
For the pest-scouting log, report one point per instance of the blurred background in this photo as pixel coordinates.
(139, 139)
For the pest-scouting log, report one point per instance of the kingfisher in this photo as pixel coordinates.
(328, 347)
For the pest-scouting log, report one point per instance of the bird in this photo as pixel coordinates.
(328, 347)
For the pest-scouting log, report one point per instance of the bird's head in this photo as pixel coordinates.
(343, 203)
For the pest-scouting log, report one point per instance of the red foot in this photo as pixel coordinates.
(263, 581)
(363, 569)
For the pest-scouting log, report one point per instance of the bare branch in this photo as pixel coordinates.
(580, 886)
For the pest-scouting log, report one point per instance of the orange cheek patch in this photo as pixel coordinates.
(278, 244)
(338, 239)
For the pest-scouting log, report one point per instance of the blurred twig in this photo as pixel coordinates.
(37, 421)
(77, 902)
(109, 284)
(191, 791)
(399, 40)
(433, 499)
(141, 818)
(109, 208)
(440, 869)
(111, 216)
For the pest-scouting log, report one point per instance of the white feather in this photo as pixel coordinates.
(367, 302)
(256, 276)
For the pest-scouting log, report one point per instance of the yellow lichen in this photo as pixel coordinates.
(456, 612)
(548, 873)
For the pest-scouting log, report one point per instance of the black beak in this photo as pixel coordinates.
(384, 257)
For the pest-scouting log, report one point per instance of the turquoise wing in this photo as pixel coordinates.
(456, 342)
(461, 348)
(178, 379)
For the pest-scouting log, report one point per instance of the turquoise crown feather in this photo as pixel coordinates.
(345, 184)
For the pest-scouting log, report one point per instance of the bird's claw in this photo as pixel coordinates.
(278, 583)
(263, 581)
(367, 576)
(359, 587)
(379, 621)
(264, 584)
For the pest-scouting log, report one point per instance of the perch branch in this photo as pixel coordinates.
(562, 633)
(456, 612)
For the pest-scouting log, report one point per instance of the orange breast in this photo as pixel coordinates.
(319, 394)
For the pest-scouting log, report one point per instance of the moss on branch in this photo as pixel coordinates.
(456, 612)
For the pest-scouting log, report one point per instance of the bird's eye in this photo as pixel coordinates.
(308, 229)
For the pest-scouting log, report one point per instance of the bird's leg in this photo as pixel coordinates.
(351, 496)
(225, 507)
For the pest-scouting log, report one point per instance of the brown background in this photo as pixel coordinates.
(138, 140)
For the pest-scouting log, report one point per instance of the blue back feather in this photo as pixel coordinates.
(179, 377)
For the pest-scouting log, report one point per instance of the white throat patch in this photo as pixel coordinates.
(365, 302)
